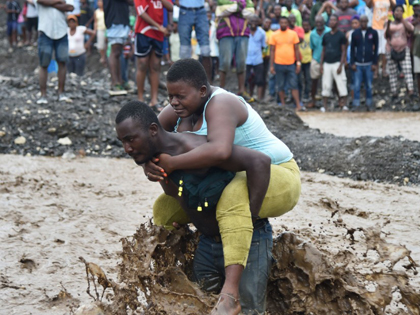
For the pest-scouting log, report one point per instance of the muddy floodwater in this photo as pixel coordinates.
(378, 124)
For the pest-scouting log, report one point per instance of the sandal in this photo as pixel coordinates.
(217, 308)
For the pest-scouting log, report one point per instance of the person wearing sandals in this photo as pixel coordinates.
(148, 45)
(226, 120)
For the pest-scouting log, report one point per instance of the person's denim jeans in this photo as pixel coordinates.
(198, 19)
(209, 269)
(233, 46)
(286, 77)
(363, 74)
(305, 77)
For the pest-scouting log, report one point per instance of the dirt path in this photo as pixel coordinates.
(55, 210)
(378, 124)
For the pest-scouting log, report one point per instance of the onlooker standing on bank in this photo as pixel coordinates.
(343, 12)
(192, 13)
(31, 22)
(398, 52)
(306, 53)
(416, 44)
(287, 10)
(254, 59)
(118, 26)
(316, 38)
(100, 29)
(233, 34)
(12, 9)
(379, 20)
(333, 59)
(77, 47)
(363, 60)
(150, 33)
(285, 61)
(52, 29)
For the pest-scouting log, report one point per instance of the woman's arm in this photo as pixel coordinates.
(258, 169)
(223, 114)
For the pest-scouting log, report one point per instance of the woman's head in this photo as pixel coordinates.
(187, 86)
(398, 12)
(190, 71)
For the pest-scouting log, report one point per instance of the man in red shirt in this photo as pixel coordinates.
(149, 45)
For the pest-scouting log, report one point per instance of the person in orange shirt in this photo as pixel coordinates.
(285, 61)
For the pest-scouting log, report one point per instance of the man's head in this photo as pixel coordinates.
(306, 26)
(343, 5)
(284, 23)
(267, 24)
(100, 4)
(416, 6)
(364, 20)
(288, 4)
(72, 21)
(319, 23)
(137, 128)
(277, 10)
(254, 21)
(83, 2)
(355, 23)
(398, 12)
(334, 22)
(292, 20)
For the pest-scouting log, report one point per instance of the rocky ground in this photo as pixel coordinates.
(85, 126)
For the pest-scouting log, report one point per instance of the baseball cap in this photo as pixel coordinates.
(72, 17)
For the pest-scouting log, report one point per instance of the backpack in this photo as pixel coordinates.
(202, 191)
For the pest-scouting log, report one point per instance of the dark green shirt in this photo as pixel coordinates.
(315, 8)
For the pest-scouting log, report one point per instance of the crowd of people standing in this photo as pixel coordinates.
(283, 48)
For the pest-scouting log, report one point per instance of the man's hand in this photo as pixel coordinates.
(272, 70)
(340, 68)
(153, 172)
(164, 30)
(353, 67)
(374, 68)
(297, 69)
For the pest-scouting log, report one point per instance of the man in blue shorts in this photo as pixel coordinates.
(12, 10)
(52, 27)
(148, 46)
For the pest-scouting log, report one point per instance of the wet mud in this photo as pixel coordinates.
(155, 269)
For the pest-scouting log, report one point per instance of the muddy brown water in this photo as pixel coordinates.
(346, 242)
(378, 124)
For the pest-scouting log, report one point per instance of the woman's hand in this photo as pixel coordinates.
(164, 161)
(154, 172)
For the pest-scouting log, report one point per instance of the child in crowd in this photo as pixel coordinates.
(77, 46)
(214, 47)
(12, 9)
(100, 30)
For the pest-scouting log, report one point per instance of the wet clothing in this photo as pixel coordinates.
(253, 134)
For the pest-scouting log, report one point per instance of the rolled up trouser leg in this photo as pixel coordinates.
(167, 210)
(233, 212)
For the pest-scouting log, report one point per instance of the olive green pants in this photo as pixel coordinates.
(233, 213)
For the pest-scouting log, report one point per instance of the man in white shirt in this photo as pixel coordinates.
(52, 27)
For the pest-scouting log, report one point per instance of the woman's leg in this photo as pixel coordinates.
(234, 217)
(167, 210)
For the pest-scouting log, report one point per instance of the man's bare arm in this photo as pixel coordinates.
(50, 3)
(63, 7)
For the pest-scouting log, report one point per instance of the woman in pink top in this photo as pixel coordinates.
(397, 50)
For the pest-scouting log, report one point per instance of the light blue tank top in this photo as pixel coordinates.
(253, 134)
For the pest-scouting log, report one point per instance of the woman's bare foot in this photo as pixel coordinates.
(227, 304)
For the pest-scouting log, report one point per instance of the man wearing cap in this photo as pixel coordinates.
(52, 27)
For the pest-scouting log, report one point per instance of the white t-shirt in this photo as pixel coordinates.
(77, 41)
(32, 11)
(52, 22)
